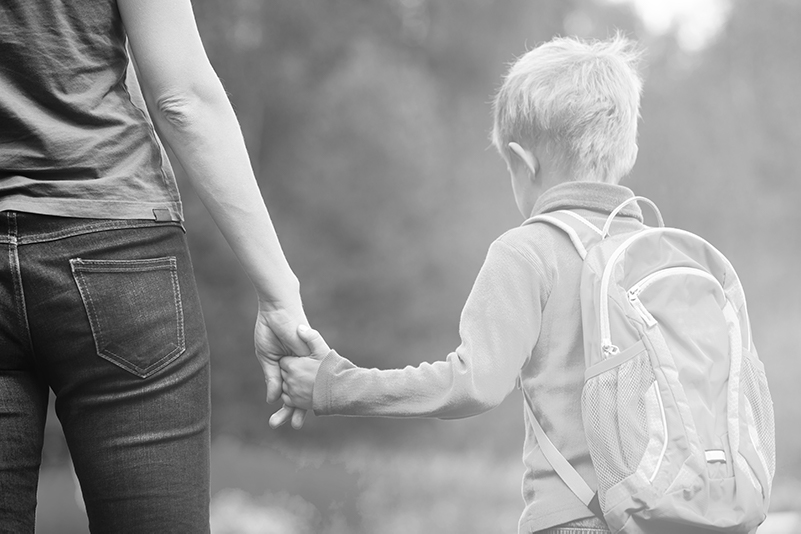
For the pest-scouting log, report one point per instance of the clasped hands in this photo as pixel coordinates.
(290, 355)
(298, 373)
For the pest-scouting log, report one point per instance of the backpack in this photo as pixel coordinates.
(675, 403)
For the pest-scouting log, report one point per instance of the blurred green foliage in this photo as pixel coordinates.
(368, 121)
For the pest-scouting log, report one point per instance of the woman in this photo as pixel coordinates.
(97, 296)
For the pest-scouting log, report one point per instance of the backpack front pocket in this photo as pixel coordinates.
(134, 310)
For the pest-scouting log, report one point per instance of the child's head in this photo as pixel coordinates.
(574, 106)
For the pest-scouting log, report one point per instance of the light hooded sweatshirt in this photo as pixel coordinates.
(522, 319)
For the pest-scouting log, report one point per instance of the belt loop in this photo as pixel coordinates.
(12, 225)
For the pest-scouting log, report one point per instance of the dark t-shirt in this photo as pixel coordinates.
(73, 140)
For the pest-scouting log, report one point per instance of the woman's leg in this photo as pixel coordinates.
(115, 314)
(23, 408)
(23, 397)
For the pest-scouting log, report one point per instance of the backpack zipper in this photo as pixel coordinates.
(639, 287)
(606, 336)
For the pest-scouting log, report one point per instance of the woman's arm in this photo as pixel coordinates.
(194, 117)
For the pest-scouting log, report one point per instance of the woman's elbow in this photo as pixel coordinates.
(183, 108)
(177, 110)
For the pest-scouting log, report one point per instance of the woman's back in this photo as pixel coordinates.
(73, 142)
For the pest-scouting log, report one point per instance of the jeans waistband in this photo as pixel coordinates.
(27, 228)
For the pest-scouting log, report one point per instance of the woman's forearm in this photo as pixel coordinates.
(194, 117)
(203, 132)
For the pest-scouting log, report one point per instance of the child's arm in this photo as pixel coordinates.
(499, 328)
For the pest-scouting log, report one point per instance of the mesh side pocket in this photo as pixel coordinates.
(755, 388)
(616, 421)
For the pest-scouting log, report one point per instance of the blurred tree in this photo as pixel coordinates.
(719, 153)
(367, 122)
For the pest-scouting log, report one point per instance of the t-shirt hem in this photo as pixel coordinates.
(96, 209)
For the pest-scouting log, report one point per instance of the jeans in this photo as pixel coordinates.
(590, 525)
(106, 314)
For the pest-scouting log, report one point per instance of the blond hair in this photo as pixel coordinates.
(579, 101)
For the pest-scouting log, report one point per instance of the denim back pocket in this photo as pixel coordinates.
(134, 310)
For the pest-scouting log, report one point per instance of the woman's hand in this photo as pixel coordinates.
(275, 337)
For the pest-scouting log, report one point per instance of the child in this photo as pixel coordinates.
(566, 126)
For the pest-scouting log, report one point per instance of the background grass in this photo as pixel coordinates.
(358, 490)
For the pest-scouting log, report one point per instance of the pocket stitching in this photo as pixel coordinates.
(79, 266)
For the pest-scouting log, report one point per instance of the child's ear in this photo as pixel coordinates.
(528, 159)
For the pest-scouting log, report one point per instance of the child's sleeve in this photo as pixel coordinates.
(499, 328)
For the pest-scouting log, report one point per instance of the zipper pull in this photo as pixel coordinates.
(636, 303)
(609, 350)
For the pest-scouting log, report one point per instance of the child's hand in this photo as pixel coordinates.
(298, 373)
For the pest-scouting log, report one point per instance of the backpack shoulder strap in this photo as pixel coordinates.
(583, 234)
(566, 472)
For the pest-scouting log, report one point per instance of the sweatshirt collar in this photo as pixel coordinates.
(595, 196)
